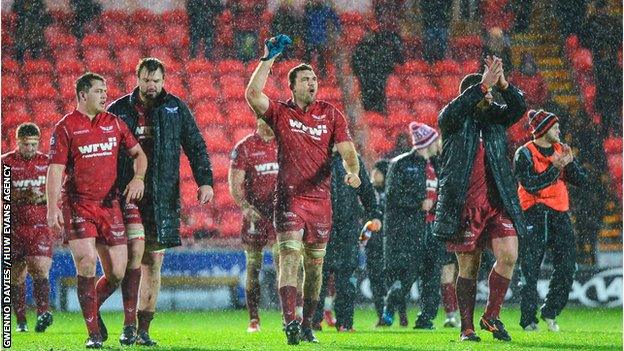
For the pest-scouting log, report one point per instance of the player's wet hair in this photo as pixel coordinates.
(470, 80)
(27, 129)
(152, 64)
(292, 74)
(85, 81)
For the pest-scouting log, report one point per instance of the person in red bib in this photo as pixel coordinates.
(32, 240)
(306, 130)
(85, 146)
(543, 166)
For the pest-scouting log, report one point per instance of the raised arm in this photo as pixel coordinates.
(254, 95)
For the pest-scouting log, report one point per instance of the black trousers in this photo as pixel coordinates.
(547, 230)
(346, 293)
(376, 273)
(426, 264)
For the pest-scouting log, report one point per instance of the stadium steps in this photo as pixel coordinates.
(610, 236)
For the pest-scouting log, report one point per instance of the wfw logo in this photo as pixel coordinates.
(25, 183)
(267, 168)
(315, 133)
(98, 149)
(144, 131)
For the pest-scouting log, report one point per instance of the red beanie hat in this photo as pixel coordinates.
(422, 134)
(541, 121)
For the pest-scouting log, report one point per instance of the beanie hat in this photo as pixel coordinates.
(422, 134)
(541, 121)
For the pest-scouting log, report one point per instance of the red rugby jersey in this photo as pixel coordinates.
(305, 140)
(89, 150)
(258, 158)
(28, 176)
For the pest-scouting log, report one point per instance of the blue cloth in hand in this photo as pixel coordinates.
(277, 47)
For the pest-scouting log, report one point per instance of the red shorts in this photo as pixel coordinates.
(261, 233)
(94, 220)
(31, 240)
(312, 215)
(482, 224)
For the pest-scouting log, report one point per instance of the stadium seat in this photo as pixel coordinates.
(238, 113)
(448, 87)
(417, 67)
(379, 141)
(471, 66)
(67, 87)
(220, 165)
(352, 35)
(14, 106)
(188, 193)
(12, 88)
(177, 16)
(45, 112)
(217, 140)
(466, 47)
(180, 33)
(397, 107)
(91, 41)
(351, 18)
(166, 55)
(374, 119)
(395, 88)
(40, 87)
(426, 112)
(95, 54)
(233, 86)
(613, 145)
(199, 66)
(281, 68)
(582, 60)
(11, 119)
(445, 67)
(125, 41)
(222, 197)
(36, 66)
(128, 59)
(234, 67)
(9, 65)
(174, 85)
(572, 43)
(400, 120)
(202, 88)
(114, 18)
(230, 223)
(207, 113)
(72, 67)
(57, 36)
(103, 66)
(200, 218)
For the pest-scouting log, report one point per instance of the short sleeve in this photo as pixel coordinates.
(270, 116)
(341, 128)
(59, 146)
(127, 138)
(237, 157)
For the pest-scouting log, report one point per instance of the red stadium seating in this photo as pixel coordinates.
(418, 67)
(446, 67)
(220, 165)
(9, 65)
(466, 47)
(202, 87)
(123, 40)
(45, 112)
(92, 54)
(379, 141)
(72, 67)
(37, 66)
(226, 67)
(67, 87)
(10, 120)
(426, 112)
(238, 113)
(181, 35)
(199, 66)
(40, 87)
(233, 86)
(448, 87)
(471, 66)
(222, 197)
(207, 113)
(328, 93)
(374, 119)
(91, 41)
(12, 88)
(582, 60)
(14, 106)
(230, 223)
(103, 66)
(114, 18)
(178, 16)
(217, 140)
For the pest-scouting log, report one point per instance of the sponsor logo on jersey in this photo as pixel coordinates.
(315, 133)
(43, 247)
(98, 149)
(82, 131)
(318, 117)
(259, 153)
(25, 183)
(432, 184)
(106, 129)
(323, 233)
(267, 168)
(507, 225)
(171, 109)
(77, 219)
(144, 131)
(117, 234)
(41, 168)
(468, 234)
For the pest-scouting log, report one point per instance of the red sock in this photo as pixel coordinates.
(104, 290)
(19, 302)
(41, 290)
(466, 294)
(87, 297)
(449, 298)
(144, 317)
(253, 300)
(288, 296)
(130, 294)
(498, 289)
(309, 307)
